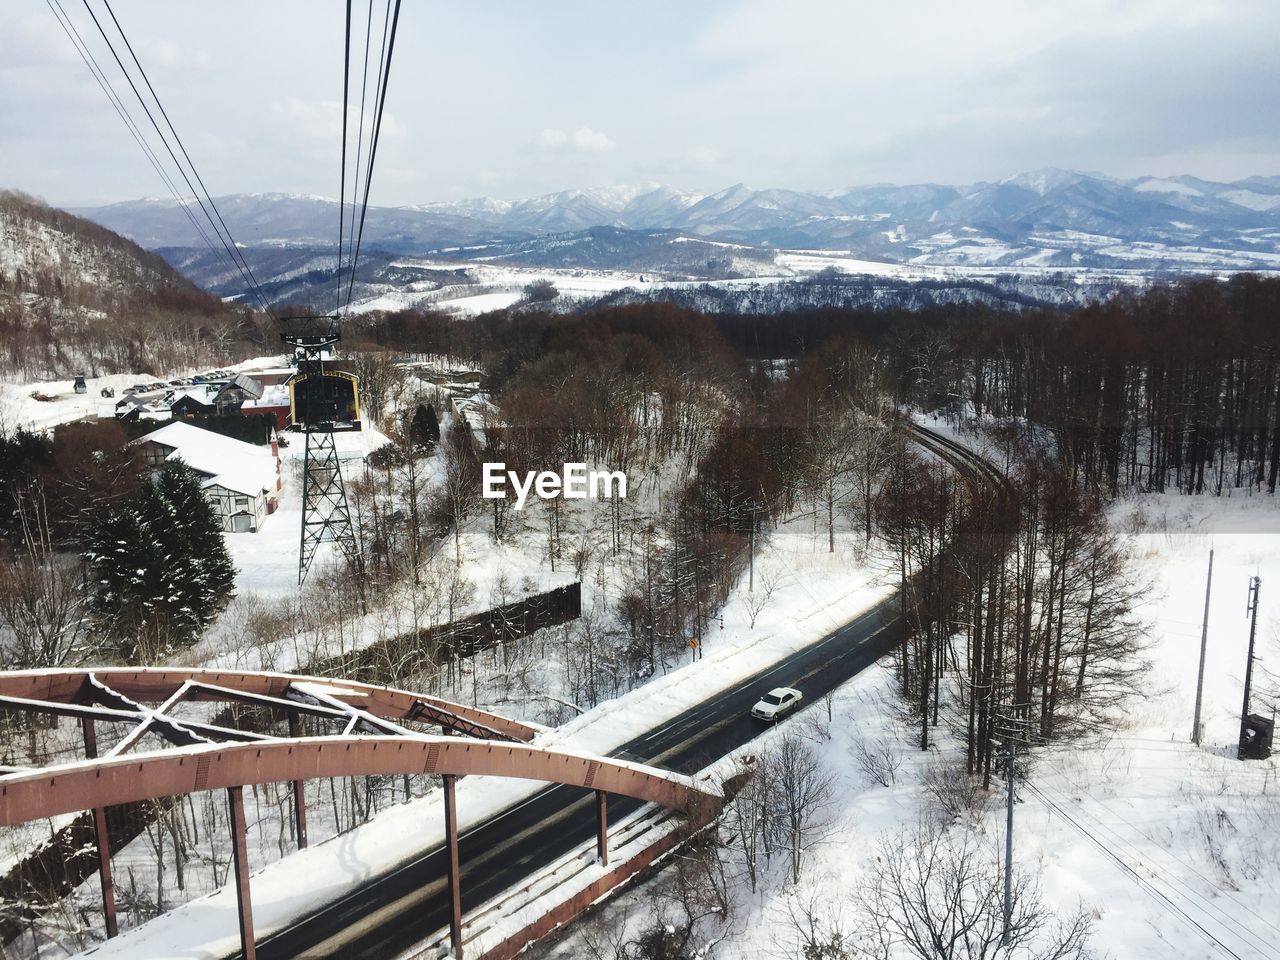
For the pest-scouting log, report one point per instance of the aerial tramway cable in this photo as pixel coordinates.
(257, 289)
(122, 111)
(380, 104)
(342, 188)
(227, 241)
(364, 91)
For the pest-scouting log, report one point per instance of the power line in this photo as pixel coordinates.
(342, 189)
(234, 247)
(247, 276)
(364, 87)
(373, 146)
(122, 111)
(1142, 882)
(1245, 931)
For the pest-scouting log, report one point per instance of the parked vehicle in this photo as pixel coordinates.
(777, 703)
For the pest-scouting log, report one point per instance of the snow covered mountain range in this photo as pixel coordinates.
(1051, 218)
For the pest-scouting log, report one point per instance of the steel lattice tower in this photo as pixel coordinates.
(326, 516)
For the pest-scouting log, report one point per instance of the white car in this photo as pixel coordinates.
(776, 704)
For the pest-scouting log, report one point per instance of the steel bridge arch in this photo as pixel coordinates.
(158, 684)
(210, 754)
(131, 778)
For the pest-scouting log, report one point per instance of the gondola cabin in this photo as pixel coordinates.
(330, 396)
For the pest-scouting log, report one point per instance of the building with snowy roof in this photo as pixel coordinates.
(191, 402)
(242, 481)
(132, 408)
(275, 400)
(235, 392)
(274, 376)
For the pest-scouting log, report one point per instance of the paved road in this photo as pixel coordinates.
(394, 912)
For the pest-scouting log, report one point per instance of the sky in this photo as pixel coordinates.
(514, 99)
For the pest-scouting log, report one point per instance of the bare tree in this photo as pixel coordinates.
(936, 894)
(702, 893)
(816, 927)
(756, 600)
(381, 380)
(954, 793)
(459, 492)
(42, 596)
(879, 760)
(746, 818)
(802, 792)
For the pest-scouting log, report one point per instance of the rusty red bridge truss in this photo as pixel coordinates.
(361, 729)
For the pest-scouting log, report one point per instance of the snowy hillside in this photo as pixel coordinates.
(76, 297)
(49, 253)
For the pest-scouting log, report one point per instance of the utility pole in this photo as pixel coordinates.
(1008, 841)
(1204, 641)
(1255, 588)
(751, 576)
(1010, 728)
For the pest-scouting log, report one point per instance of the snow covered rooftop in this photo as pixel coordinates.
(248, 385)
(225, 462)
(199, 393)
(273, 396)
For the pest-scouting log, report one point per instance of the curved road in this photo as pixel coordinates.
(390, 914)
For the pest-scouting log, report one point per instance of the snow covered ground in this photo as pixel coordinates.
(498, 285)
(1171, 848)
(814, 593)
(1197, 825)
(267, 561)
(19, 408)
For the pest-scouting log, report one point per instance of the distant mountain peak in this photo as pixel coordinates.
(1048, 179)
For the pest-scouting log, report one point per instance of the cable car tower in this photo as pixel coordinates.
(317, 403)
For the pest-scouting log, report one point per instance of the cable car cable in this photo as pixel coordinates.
(250, 282)
(382, 53)
(373, 147)
(364, 87)
(342, 189)
(257, 289)
(104, 83)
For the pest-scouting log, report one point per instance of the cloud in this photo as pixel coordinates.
(318, 120)
(815, 94)
(704, 157)
(582, 140)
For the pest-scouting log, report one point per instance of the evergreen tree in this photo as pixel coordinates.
(158, 567)
(196, 535)
(24, 455)
(426, 426)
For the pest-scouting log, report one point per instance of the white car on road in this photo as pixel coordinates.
(777, 703)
